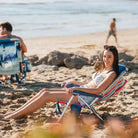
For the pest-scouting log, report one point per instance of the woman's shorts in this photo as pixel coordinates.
(87, 99)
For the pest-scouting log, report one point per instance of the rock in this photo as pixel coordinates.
(43, 60)
(125, 57)
(131, 65)
(33, 59)
(54, 58)
(57, 58)
(93, 59)
(75, 62)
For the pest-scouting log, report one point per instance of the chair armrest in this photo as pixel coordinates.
(76, 92)
(69, 85)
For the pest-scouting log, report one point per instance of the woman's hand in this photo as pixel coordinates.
(67, 83)
(70, 90)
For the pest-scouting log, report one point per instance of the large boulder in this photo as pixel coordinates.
(94, 58)
(131, 65)
(34, 59)
(75, 61)
(57, 58)
(43, 60)
(125, 57)
(54, 58)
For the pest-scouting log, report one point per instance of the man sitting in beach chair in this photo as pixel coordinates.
(6, 33)
(11, 61)
(100, 81)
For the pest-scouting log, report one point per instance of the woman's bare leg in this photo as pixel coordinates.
(44, 96)
(32, 99)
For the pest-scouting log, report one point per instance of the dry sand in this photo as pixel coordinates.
(127, 40)
(13, 96)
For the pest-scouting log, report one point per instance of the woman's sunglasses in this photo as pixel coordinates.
(109, 47)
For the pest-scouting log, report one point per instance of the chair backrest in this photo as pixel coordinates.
(10, 56)
(116, 85)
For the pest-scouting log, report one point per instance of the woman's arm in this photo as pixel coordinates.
(101, 87)
(75, 83)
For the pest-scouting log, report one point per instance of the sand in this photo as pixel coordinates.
(127, 40)
(124, 105)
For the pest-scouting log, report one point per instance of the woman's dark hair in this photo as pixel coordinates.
(113, 49)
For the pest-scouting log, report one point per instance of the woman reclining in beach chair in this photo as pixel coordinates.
(100, 81)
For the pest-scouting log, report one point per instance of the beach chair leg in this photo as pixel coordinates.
(17, 79)
(94, 111)
(68, 103)
(91, 108)
(10, 80)
(24, 73)
(25, 78)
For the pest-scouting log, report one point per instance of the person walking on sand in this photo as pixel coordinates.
(100, 81)
(6, 33)
(112, 31)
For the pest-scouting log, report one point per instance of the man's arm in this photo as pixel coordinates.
(23, 46)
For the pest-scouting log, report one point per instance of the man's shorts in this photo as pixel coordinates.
(111, 33)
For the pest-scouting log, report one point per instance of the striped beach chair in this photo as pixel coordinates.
(114, 88)
(11, 62)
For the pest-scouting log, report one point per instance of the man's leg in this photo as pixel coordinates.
(107, 40)
(115, 39)
(109, 34)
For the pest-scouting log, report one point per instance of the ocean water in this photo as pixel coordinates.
(39, 18)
